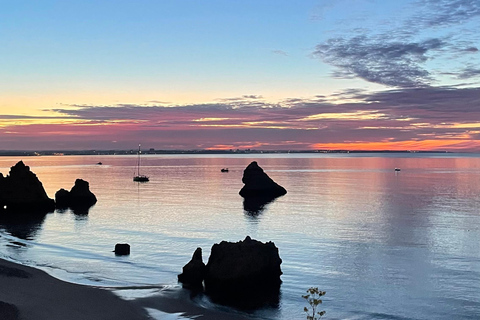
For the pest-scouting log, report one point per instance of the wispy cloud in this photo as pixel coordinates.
(394, 64)
(442, 13)
(401, 56)
(280, 53)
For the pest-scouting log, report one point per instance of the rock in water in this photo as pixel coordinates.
(79, 196)
(245, 274)
(194, 271)
(259, 184)
(22, 192)
(122, 249)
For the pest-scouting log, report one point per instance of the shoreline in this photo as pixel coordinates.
(27, 293)
(36, 295)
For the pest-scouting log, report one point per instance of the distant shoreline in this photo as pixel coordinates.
(160, 152)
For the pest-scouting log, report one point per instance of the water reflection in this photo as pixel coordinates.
(25, 228)
(256, 205)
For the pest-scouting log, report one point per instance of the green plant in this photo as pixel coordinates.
(313, 298)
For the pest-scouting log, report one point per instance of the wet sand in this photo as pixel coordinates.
(30, 294)
(27, 293)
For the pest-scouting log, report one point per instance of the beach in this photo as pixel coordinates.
(35, 295)
(27, 293)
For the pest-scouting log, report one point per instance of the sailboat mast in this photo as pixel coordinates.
(138, 161)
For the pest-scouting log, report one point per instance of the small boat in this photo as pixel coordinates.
(139, 177)
(99, 163)
(224, 170)
(397, 169)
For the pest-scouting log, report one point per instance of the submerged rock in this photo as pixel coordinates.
(22, 192)
(122, 249)
(79, 196)
(194, 271)
(259, 184)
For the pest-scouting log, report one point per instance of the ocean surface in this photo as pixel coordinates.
(382, 244)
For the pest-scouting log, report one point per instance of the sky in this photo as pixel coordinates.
(224, 74)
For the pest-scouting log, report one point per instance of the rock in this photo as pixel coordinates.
(22, 192)
(122, 249)
(194, 271)
(62, 198)
(79, 196)
(259, 184)
(245, 274)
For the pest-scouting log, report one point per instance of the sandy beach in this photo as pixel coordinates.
(27, 293)
(30, 294)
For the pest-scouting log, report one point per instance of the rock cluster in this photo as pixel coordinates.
(259, 184)
(21, 191)
(79, 196)
(245, 274)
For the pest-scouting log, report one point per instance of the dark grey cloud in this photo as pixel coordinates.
(397, 64)
(471, 49)
(468, 73)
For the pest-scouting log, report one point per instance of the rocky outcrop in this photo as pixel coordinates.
(22, 192)
(245, 274)
(79, 196)
(194, 271)
(259, 184)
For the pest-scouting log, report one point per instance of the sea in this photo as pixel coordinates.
(382, 244)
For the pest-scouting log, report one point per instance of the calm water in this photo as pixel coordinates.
(383, 245)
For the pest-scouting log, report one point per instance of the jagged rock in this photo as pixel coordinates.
(122, 249)
(22, 192)
(245, 274)
(194, 271)
(79, 196)
(259, 184)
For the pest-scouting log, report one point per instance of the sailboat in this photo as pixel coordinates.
(139, 177)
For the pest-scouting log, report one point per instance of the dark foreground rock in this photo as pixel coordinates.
(79, 196)
(245, 274)
(259, 184)
(22, 192)
(194, 271)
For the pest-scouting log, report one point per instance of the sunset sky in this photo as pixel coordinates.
(263, 74)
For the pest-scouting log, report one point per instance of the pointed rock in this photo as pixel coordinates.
(194, 271)
(259, 184)
(22, 192)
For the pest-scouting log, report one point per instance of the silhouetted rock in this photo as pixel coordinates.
(22, 192)
(122, 249)
(245, 274)
(79, 196)
(62, 198)
(259, 184)
(194, 271)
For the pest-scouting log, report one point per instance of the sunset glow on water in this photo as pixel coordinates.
(382, 244)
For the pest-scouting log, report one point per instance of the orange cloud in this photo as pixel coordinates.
(420, 145)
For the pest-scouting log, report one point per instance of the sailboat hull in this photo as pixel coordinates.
(140, 178)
